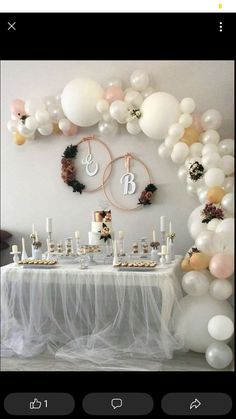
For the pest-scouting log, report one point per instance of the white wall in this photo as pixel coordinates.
(31, 185)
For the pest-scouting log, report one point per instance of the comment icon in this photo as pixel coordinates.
(116, 403)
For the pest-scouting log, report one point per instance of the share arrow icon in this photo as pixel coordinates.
(195, 404)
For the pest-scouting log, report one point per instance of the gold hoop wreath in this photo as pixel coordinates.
(68, 170)
(147, 193)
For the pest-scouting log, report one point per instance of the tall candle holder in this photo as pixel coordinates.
(120, 244)
(163, 238)
(77, 242)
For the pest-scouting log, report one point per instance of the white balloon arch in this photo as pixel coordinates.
(206, 161)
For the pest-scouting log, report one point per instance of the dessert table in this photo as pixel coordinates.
(98, 314)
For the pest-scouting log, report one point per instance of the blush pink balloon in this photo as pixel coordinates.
(71, 131)
(221, 265)
(17, 108)
(113, 93)
(197, 122)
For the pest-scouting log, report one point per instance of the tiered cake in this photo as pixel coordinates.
(101, 228)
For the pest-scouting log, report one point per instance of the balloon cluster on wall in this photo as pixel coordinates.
(85, 103)
(207, 166)
(206, 161)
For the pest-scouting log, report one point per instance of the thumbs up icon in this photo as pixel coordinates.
(36, 404)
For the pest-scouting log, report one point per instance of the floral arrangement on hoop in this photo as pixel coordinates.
(68, 171)
(147, 194)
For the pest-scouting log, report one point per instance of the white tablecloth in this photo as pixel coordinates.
(99, 315)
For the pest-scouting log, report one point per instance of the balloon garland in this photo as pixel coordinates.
(68, 170)
(206, 161)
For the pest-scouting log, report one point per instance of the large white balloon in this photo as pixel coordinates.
(159, 111)
(79, 99)
(221, 327)
(226, 147)
(195, 283)
(219, 355)
(211, 119)
(214, 177)
(212, 225)
(227, 202)
(196, 228)
(227, 165)
(192, 317)
(210, 137)
(139, 80)
(195, 215)
(225, 226)
(210, 160)
(204, 242)
(221, 289)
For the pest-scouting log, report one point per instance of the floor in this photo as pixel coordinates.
(190, 361)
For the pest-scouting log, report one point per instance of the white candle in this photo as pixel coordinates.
(48, 225)
(153, 235)
(167, 247)
(163, 223)
(121, 235)
(36, 237)
(77, 234)
(14, 248)
(23, 242)
(164, 249)
(32, 228)
(170, 227)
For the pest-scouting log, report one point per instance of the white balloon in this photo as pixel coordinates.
(228, 184)
(219, 355)
(191, 190)
(209, 148)
(33, 105)
(221, 289)
(196, 228)
(114, 82)
(182, 173)
(210, 160)
(202, 194)
(108, 128)
(31, 123)
(159, 111)
(170, 142)
(227, 165)
(51, 100)
(56, 113)
(12, 126)
(226, 147)
(210, 137)
(224, 242)
(195, 283)
(211, 119)
(64, 124)
(187, 105)
(46, 129)
(176, 130)
(23, 130)
(195, 215)
(221, 327)
(139, 80)
(79, 99)
(214, 177)
(107, 117)
(119, 111)
(192, 317)
(204, 242)
(196, 149)
(179, 153)
(147, 92)
(42, 116)
(186, 120)
(213, 224)
(133, 127)
(163, 151)
(102, 106)
(227, 202)
(225, 226)
(134, 98)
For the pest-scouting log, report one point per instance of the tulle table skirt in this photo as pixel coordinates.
(97, 315)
